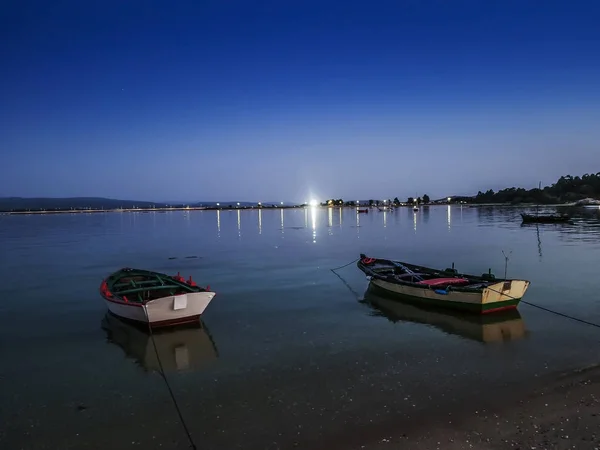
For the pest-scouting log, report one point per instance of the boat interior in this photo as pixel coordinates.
(439, 279)
(144, 287)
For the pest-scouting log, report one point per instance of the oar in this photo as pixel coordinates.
(407, 270)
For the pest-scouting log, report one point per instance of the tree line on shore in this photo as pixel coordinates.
(567, 189)
(396, 202)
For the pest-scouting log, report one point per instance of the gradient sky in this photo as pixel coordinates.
(288, 100)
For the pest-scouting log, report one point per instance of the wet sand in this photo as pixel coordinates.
(562, 413)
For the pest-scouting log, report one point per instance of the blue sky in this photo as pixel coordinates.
(271, 100)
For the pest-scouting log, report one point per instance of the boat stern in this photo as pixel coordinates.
(178, 309)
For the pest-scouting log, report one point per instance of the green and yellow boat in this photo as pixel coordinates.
(443, 288)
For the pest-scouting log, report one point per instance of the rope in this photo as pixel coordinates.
(164, 377)
(356, 294)
(548, 310)
(345, 265)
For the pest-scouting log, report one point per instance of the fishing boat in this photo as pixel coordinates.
(545, 218)
(154, 298)
(488, 328)
(443, 288)
(188, 347)
(362, 211)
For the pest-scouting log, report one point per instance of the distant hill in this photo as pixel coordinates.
(49, 203)
(8, 204)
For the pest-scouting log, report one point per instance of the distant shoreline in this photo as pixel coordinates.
(142, 210)
(223, 208)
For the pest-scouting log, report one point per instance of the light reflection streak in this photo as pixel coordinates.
(415, 221)
(305, 217)
(218, 222)
(340, 216)
(239, 223)
(449, 218)
(260, 221)
(384, 218)
(282, 221)
(313, 217)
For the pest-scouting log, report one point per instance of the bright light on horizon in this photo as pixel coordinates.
(314, 202)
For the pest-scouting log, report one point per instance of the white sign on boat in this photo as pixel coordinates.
(180, 302)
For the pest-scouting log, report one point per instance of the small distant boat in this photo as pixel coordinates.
(500, 327)
(443, 288)
(415, 208)
(545, 218)
(154, 298)
(362, 211)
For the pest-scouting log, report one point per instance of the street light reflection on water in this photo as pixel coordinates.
(218, 223)
(239, 223)
(449, 218)
(260, 221)
(281, 221)
(415, 221)
(313, 218)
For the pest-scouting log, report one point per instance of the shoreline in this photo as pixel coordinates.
(221, 208)
(561, 412)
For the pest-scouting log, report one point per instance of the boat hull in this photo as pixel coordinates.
(544, 218)
(500, 296)
(486, 328)
(165, 311)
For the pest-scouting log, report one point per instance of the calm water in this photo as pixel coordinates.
(288, 356)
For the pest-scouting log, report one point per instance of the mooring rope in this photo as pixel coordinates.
(558, 313)
(356, 294)
(164, 377)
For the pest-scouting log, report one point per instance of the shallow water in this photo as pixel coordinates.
(288, 355)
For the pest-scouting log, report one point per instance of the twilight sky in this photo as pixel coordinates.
(289, 100)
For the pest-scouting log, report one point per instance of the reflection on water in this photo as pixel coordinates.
(239, 223)
(449, 216)
(500, 327)
(330, 217)
(313, 218)
(384, 218)
(281, 221)
(218, 223)
(260, 221)
(537, 233)
(415, 221)
(183, 348)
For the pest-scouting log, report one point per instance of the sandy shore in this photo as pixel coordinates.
(563, 413)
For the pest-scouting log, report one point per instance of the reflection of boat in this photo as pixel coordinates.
(445, 288)
(184, 348)
(505, 326)
(153, 297)
(545, 218)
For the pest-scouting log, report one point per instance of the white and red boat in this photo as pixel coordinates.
(154, 298)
